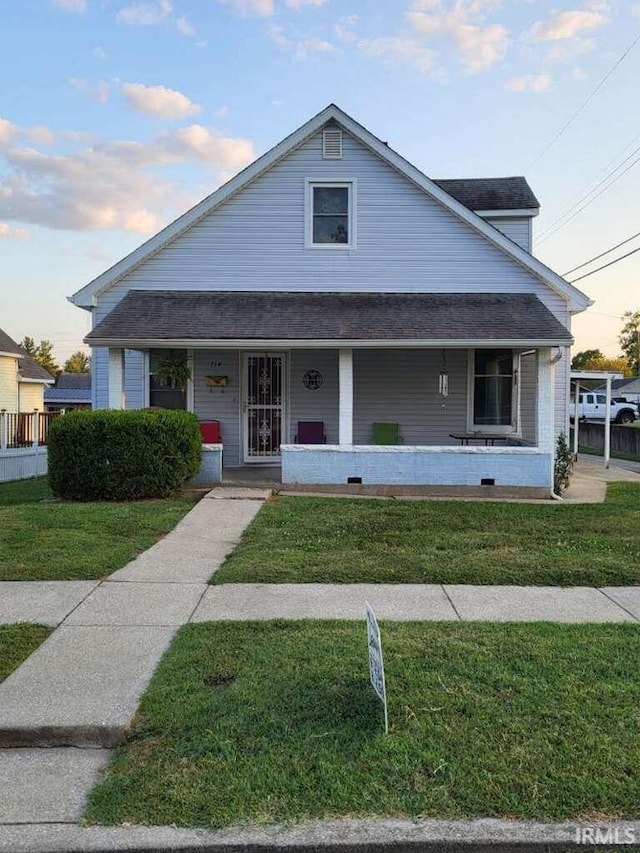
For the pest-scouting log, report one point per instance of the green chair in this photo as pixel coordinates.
(386, 434)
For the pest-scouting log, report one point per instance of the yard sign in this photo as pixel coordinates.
(376, 665)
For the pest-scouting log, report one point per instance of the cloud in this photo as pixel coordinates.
(109, 184)
(252, 8)
(536, 83)
(145, 14)
(570, 50)
(11, 134)
(99, 53)
(97, 92)
(159, 101)
(223, 112)
(10, 233)
(300, 48)
(300, 4)
(395, 49)
(79, 7)
(479, 45)
(343, 30)
(184, 27)
(567, 25)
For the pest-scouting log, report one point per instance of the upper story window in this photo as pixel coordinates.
(493, 389)
(330, 219)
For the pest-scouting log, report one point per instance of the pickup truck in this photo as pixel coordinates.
(592, 407)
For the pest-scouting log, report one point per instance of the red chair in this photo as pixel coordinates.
(311, 432)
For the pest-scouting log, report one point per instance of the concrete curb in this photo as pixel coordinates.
(338, 836)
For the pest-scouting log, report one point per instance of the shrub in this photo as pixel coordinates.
(122, 455)
(563, 465)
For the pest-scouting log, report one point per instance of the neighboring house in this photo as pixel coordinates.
(628, 388)
(71, 391)
(22, 380)
(350, 319)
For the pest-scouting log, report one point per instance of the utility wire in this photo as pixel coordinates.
(602, 254)
(604, 266)
(591, 200)
(575, 115)
(572, 206)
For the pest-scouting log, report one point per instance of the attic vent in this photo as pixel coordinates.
(332, 143)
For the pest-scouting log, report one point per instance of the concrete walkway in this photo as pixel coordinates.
(77, 694)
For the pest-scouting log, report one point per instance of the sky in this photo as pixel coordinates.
(118, 115)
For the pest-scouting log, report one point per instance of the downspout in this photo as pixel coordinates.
(554, 360)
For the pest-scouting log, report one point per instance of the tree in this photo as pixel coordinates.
(79, 362)
(29, 346)
(584, 358)
(630, 339)
(42, 353)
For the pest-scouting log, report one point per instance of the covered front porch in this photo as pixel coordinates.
(451, 391)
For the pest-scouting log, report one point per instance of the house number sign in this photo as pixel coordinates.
(312, 380)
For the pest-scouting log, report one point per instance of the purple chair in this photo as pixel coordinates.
(311, 432)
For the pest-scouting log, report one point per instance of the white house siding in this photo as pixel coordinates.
(8, 383)
(320, 404)
(219, 404)
(401, 386)
(528, 391)
(406, 241)
(134, 379)
(515, 228)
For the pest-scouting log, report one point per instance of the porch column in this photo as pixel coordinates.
(116, 378)
(545, 426)
(345, 404)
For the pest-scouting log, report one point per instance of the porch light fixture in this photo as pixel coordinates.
(443, 379)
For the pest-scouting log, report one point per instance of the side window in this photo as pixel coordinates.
(493, 380)
(590, 399)
(601, 400)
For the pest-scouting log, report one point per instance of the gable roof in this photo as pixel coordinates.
(184, 317)
(85, 297)
(7, 345)
(30, 371)
(490, 193)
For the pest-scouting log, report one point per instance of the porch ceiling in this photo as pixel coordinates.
(197, 318)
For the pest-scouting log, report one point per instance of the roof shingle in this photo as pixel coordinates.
(490, 193)
(164, 315)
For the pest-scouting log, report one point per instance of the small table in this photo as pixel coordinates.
(489, 438)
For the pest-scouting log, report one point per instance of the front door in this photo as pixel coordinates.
(263, 405)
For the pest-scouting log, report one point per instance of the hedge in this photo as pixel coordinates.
(122, 455)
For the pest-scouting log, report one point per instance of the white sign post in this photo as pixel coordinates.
(376, 665)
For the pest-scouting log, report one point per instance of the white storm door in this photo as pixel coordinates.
(263, 405)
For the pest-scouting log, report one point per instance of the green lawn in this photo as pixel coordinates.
(47, 540)
(276, 721)
(338, 540)
(17, 642)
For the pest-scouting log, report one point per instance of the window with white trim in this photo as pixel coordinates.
(330, 220)
(494, 395)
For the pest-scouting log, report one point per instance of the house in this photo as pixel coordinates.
(71, 391)
(629, 388)
(349, 319)
(22, 380)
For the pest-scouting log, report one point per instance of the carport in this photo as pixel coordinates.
(583, 376)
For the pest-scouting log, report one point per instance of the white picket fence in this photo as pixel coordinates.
(23, 440)
(22, 463)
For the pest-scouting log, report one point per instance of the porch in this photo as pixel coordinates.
(463, 418)
(392, 383)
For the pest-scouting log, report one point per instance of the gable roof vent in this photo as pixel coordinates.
(332, 143)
